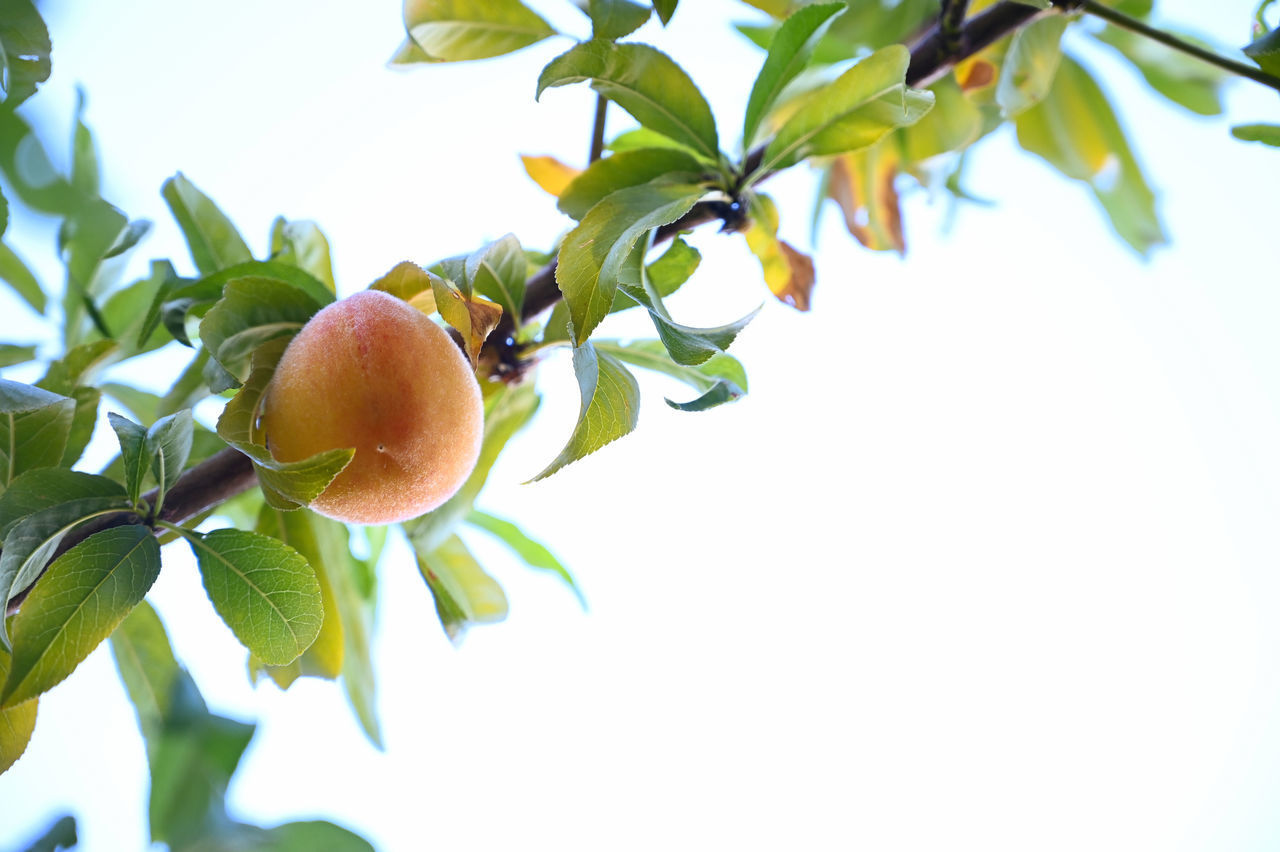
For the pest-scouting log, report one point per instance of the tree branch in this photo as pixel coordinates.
(229, 472)
(1123, 21)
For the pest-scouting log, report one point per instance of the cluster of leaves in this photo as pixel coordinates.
(81, 550)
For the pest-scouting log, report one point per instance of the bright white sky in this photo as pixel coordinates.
(987, 559)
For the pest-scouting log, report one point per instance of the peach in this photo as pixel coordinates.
(373, 373)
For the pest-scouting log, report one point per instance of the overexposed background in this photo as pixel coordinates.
(986, 559)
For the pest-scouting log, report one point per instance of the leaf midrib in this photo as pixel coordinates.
(106, 575)
(200, 542)
(767, 165)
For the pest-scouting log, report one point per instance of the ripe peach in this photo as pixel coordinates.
(373, 373)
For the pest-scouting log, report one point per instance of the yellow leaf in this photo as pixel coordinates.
(549, 173)
(16, 724)
(787, 271)
(473, 318)
(976, 73)
(863, 184)
(410, 282)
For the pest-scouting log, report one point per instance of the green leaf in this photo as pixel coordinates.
(355, 593)
(646, 83)
(506, 412)
(1183, 79)
(31, 173)
(593, 253)
(1265, 51)
(16, 274)
(610, 406)
(168, 445)
(83, 596)
(148, 668)
(195, 299)
(11, 354)
(327, 554)
(720, 379)
(16, 723)
(24, 52)
(625, 169)
(47, 487)
(534, 554)
(86, 239)
(665, 9)
(953, 123)
(188, 389)
(789, 53)
(61, 835)
(1267, 134)
(286, 485)
(34, 425)
(613, 19)
(83, 422)
(32, 542)
(191, 765)
(128, 311)
(78, 366)
(643, 137)
(686, 345)
(141, 404)
(676, 265)
(498, 272)
(408, 53)
(264, 590)
(463, 592)
(84, 155)
(213, 241)
(457, 30)
(1075, 129)
(853, 111)
(309, 836)
(252, 311)
(304, 245)
(133, 453)
(1030, 64)
(128, 238)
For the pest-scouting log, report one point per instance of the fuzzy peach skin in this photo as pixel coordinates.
(374, 373)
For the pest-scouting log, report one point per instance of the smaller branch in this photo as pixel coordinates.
(951, 25)
(597, 130)
(215, 480)
(1123, 21)
(930, 58)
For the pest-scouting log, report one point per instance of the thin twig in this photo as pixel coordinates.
(597, 129)
(951, 25)
(1123, 21)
